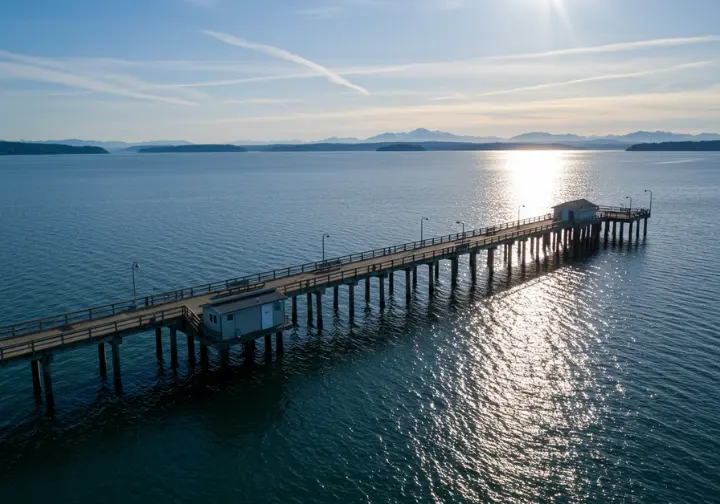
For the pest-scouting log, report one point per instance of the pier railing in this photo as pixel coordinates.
(96, 332)
(241, 284)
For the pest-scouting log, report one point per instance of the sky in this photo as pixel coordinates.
(229, 70)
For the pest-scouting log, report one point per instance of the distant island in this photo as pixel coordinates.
(428, 146)
(713, 145)
(158, 149)
(401, 147)
(26, 149)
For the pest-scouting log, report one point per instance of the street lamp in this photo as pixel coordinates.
(463, 227)
(630, 205)
(134, 267)
(648, 190)
(518, 221)
(421, 228)
(323, 245)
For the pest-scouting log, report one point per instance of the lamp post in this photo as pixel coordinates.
(463, 227)
(134, 267)
(630, 205)
(518, 220)
(648, 190)
(421, 228)
(325, 235)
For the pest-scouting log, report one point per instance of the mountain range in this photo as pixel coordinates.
(618, 142)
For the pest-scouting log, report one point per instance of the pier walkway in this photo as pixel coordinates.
(38, 340)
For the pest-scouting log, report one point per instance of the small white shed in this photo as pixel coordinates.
(576, 210)
(252, 313)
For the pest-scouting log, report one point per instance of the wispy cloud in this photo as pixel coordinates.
(288, 56)
(598, 78)
(260, 101)
(30, 72)
(618, 47)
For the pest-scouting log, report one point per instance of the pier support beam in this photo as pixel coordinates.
(225, 358)
(173, 348)
(309, 308)
(437, 271)
(523, 247)
(509, 263)
(351, 301)
(607, 230)
(249, 354)
(35, 370)
(473, 267)
(454, 270)
(47, 383)
(630, 232)
(279, 343)
(645, 228)
(117, 375)
(491, 260)
(318, 300)
(102, 360)
(191, 349)
(158, 343)
(294, 310)
(367, 290)
(637, 231)
(614, 231)
(268, 346)
(382, 291)
(336, 298)
(204, 359)
(414, 280)
(622, 225)
(537, 249)
(431, 277)
(391, 283)
(407, 285)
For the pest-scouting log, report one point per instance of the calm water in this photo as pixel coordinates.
(594, 381)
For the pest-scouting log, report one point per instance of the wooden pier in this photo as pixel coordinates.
(39, 340)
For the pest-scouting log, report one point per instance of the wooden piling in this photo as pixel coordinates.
(351, 301)
(158, 343)
(35, 370)
(381, 288)
(437, 271)
(47, 383)
(102, 360)
(318, 300)
(173, 348)
(225, 359)
(117, 375)
(279, 343)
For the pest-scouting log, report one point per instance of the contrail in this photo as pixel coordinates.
(286, 55)
(631, 75)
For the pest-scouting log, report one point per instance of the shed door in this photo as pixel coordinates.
(267, 316)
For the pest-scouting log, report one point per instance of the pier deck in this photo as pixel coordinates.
(38, 340)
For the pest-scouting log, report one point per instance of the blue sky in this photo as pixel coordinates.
(225, 70)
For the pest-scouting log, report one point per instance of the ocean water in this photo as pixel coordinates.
(593, 381)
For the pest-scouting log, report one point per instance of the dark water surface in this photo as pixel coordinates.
(593, 381)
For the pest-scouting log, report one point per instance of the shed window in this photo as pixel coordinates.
(230, 317)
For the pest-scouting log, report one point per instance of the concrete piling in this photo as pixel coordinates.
(637, 231)
(414, 277)
(309, 308)
(336, 298)
(491, 260)
(225, 358)
(473, 267)
(191, 349)
(204, 357)
(645, 228)
(294, 310)
(268, 346)
(454, 270)
(367, 290)
(391, 283)
(437, 271)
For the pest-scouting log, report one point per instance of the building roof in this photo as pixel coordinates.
(231, 304)
(580, 204)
